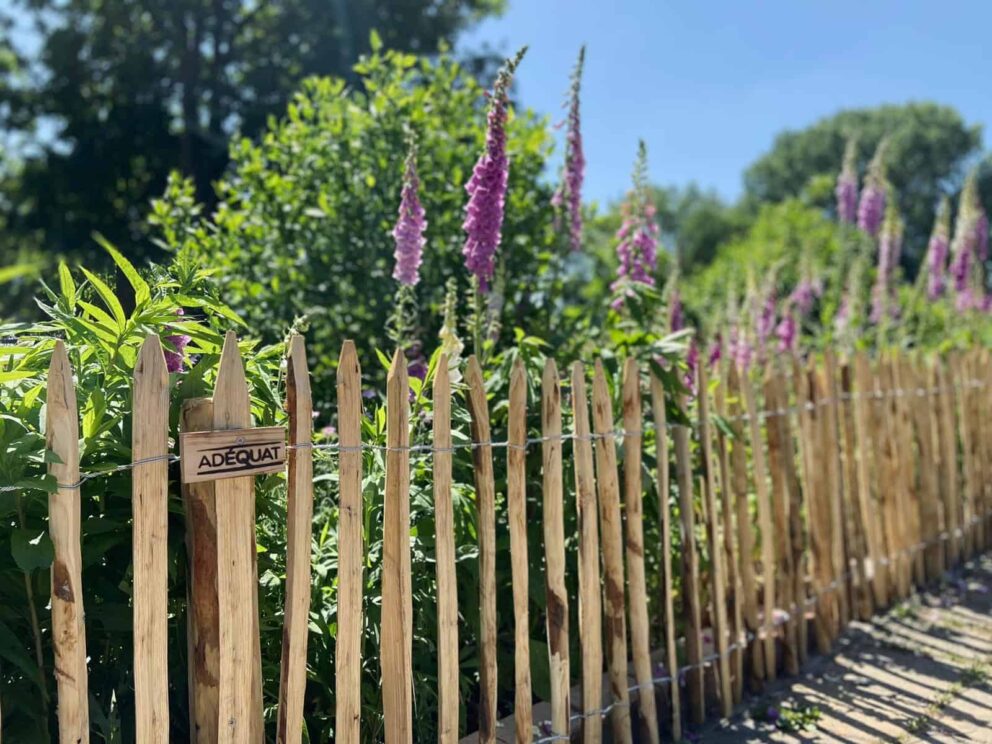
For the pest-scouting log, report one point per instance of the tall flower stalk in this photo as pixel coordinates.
(971, 233)
(408, 235)
(487, 187)
(846, 190)
(889, 250)
(568, 195)
(937, 251)
(871, 208)
(637, 246)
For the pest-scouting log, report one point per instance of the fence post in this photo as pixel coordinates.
(715, 545)
(351, 551)
(947, 443)
(609, 518)
(731, 559)
(640, 639)
(482, 454)
(299, 536)
(590, 599)
(203, 612)
(765, 524)
(554, 541)
(516, 498)
(745, 531)
(691, 610)
(839, 539)
(68, 631)
(397, 603)
(150, 542)
(447, 584)
(237, 579)
(867, 450)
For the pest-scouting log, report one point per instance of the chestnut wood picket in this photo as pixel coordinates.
(818, 491)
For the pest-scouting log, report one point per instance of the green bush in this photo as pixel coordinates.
(302, 227)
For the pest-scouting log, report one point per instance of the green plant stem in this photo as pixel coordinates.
(35, 628)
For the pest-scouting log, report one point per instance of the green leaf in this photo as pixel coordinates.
(68, 285)
(15, 375)
(217, 307)
(32, 549)
(108, 296)
(141, 292)
(375, 41)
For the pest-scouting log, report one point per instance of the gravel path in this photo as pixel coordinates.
(921, 673)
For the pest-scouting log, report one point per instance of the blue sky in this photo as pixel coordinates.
(708, 84)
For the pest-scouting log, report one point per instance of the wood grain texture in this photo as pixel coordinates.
(237, 583)
(731, 560)
(715, 540)
(590, 599)
(516, 498)
(829, 394)
(351, 551)
(299, 538)
(614, 610)
(864, 425)
(203, 613)
(554, 543)
(745, 529)
(633, 505)
(396, 652)
(447, 584)
(660, 416)
(150, 540)
(785, 571)
(68, 631)
(691, 609)
(485, 491)
(763, 501)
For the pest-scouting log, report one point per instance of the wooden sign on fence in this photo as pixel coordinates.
(212, 455)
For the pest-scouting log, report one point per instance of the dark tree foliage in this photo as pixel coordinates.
(930, 149)
(137, 88)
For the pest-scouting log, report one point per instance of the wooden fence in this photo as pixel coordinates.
(828, 490)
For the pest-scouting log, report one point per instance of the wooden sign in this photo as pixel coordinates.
(213, 455)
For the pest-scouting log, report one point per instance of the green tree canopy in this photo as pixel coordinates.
(128, 90)
(930, 149)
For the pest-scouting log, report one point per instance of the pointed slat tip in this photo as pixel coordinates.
(60, 357)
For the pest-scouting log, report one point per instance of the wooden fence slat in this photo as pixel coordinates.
(671, 658)
(867, 450)
(892, 492)
(908, 458)
(299, 529)
(447, 584)
(397, 601)
(237, 582)
(765, 524)
(590, 599)
(150, 540)
(731, 558)
(351, 551)
(691, 609)
(482, 455)
(633, 503)
(203, 614)
(947, 446)
(614, 610)
(960, 402)
(798, 535)
(785, 588)
(717, 571)
(516, 498)
(68, 631)
(830, 396)
(930, 516)
(745, 531)
(863, 605)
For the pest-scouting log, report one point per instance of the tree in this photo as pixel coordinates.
(137, 88)
(930, 149)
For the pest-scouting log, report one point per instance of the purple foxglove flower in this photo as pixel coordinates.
(739, 349)
(409, 230)
(846, 190)
(676, 313)
(937, 251)
(765, 324)
(787, 331)
(842, 319)
(805, 294)
(982, 236)
(889, 249)
(715, 352)
(871, 208)
(692, 365)
(487, 187)
(175, 357)
(569, 191)
(637, 248)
